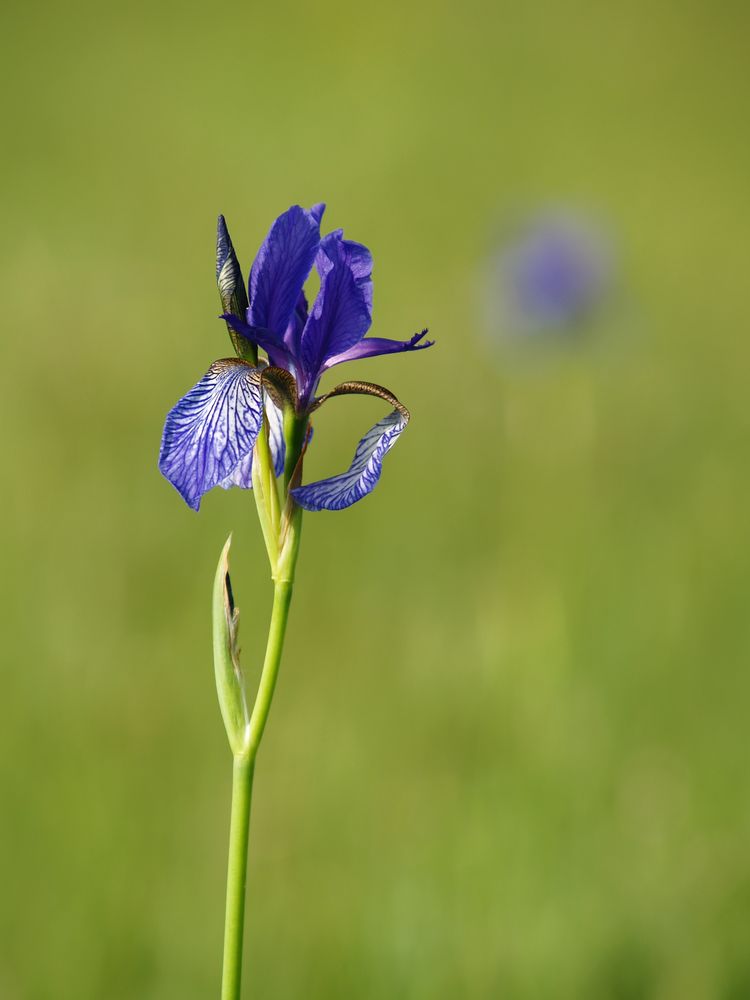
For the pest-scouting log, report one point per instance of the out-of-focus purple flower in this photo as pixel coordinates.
(210, 434)
(551, 275)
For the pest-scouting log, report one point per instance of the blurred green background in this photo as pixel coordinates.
(508, 755)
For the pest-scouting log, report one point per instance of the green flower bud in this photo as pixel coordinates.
(229, 682)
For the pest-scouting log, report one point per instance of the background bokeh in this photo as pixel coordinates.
(508, 755)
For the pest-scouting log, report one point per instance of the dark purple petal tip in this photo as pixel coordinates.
(373, 347)
(413, 344)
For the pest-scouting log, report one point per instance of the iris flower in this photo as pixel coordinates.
(552, 275)
(210, 434)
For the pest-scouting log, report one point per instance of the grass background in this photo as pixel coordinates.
(508, 754)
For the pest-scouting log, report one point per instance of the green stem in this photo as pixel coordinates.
(244, 763)
(282, 598)
(242, 788)
(295, 432)
(282, 535)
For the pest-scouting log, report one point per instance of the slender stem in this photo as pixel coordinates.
(244, 764)
(295, 432)
(282, 598)
(242, 788)
(282, 536)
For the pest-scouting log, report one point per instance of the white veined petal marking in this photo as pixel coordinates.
(363, 474)
(242, 474)
(212, 429)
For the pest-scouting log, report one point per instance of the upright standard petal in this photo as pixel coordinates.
(342, 312)
(282, 266)
(296, 325)
(212, 429)
(363, 474)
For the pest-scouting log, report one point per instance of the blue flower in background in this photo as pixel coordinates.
(551, 276)
(210, 434)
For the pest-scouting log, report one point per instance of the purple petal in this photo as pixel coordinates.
(363, 474)
(371, 347)
(282, 266)
(342, 312)
(296, 325)
(553, 274)
(242, 474)
(272, 344)
(359, 260)
(212, 429)
(276, 441)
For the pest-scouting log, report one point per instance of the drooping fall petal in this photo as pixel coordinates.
(212, 429)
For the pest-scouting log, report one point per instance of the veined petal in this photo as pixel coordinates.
(371, 347)
(363, 474)
(279, 391)
(281, 268)
(276, 441)
(342, 312)
(297, 325)
(359, 260)
(242, 474)
(212, 429)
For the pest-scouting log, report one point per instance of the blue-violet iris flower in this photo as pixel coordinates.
(551, 276)
(210, 434)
